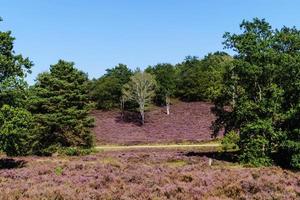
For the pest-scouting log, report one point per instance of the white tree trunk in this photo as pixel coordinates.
(168, 105)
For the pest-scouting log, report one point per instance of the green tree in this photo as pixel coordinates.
(141, 89)
(59, 103)
(13, 68)
(260, 96)
(200, 80)
(165, 76)
(107, 90)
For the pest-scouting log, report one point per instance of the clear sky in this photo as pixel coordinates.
(98, 34)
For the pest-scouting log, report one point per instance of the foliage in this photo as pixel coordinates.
(16, 127)
(75, 151)
(16, 131)
(141, 89)
(13, 91)
(230, 141)
(260, 96)
(59, 103)
(107, 90)
(11, 65)
(165, 76)
(201, 79)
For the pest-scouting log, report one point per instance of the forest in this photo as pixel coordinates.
(255, 98)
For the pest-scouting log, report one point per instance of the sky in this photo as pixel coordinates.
(99, 34)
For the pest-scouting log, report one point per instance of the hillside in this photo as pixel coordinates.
(188, 122)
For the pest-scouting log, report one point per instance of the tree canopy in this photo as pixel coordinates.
(59, 103)
(260, 97)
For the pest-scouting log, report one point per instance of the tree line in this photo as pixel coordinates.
(255, 95)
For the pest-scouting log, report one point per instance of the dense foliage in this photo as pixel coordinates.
(260, 98)
(201, 79)
(107, 90)
(59, 103)
(165, 76)
(16, 131)
(15, 122)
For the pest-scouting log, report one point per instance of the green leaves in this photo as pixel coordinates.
(107, 90)
(261, 95)
(16, 131)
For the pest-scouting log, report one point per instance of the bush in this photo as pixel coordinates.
(253, 152)
(16, 131)
(75, 151)
(230, 141)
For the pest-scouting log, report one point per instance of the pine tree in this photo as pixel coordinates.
(59, 102)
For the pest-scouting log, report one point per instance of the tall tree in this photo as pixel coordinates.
(13, 68)
(165, 76)
(260, 97)
(59, 103)
(107, 90)
(200, 80)
(141, 89)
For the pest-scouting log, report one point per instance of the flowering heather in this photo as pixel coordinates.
(143, 174)
(187, 122)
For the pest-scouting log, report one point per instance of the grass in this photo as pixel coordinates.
(176, 163)
(216, 145)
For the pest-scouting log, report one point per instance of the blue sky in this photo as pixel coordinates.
(98, 34)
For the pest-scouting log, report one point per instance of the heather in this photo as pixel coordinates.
(188, 122)
(143, 174)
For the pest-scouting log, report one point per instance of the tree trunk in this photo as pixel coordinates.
(142, 112)
(143, 116)
(122, 108)
(168, 105)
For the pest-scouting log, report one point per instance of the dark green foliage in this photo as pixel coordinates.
(260, 96)
(165, 76)
(13, 69)
(10, 63)
(59, 103)
(202, 79)
(16, 131)
(16, 127)
(13, 91)
(107, 90)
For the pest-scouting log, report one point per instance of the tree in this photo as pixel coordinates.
(200, 80)
(59, 103)
(13, 69)
(16, 123)
(107, 90)
(141, 89)
(165, 76)
(260, 97)
(10, 63)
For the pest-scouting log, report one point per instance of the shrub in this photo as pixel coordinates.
(75, 151)
(16, 131)
(230, 141)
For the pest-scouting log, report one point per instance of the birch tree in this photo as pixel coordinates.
(141, 89)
